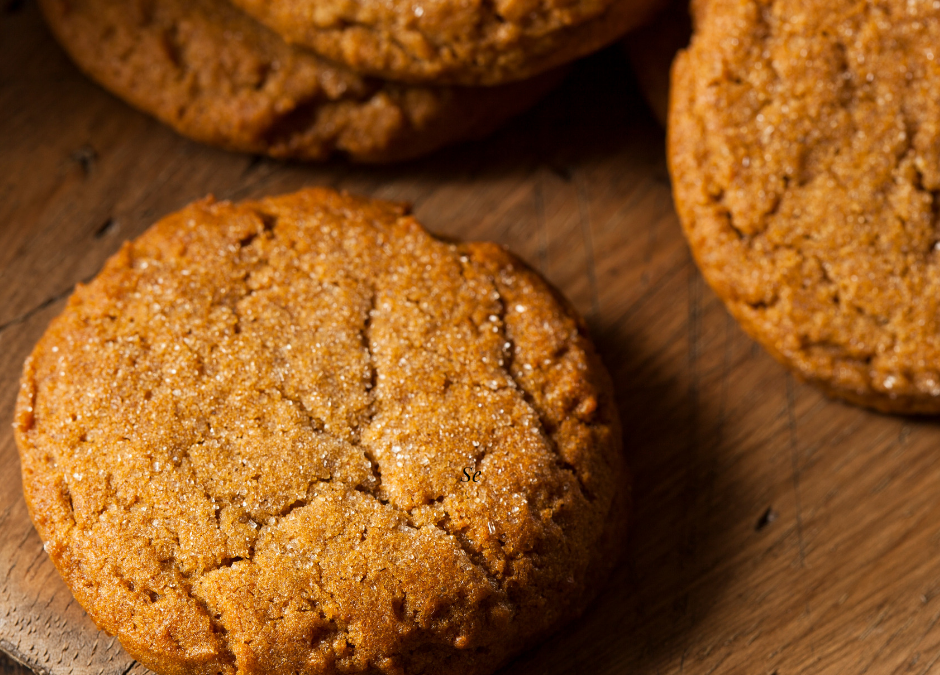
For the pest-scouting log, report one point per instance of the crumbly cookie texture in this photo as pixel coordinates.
(215, 75)
(803, 144)
(244, 445)
(453, 41)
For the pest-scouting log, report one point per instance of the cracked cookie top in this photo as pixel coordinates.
(466, 42)
(803, 144)
(301, 435)
(219, 77)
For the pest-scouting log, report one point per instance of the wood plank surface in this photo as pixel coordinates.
(776, 531)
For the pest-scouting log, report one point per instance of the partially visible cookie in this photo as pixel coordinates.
(452, 41)
(219, 77)
(804, 147)
(301, 435)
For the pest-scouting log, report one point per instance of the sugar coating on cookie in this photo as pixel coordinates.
(301, 435)
(452, 41)
(803, 145)
(219, 77)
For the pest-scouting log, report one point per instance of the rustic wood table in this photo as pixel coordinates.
(776, 531)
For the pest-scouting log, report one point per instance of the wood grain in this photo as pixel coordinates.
(776, 531)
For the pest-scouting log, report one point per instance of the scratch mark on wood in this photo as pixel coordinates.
(766, 519)
(108, 227)
(6, 514)
(27, 315)
(795, 464)
(86, 157)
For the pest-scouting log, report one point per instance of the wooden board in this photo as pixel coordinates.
(776, 531)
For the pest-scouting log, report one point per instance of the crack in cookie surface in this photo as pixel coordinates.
(269, 407)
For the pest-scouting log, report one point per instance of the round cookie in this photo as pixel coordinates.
(803, 143)
(451, 41)
(217, 76)
(301, 435)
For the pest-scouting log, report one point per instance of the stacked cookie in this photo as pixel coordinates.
(804, 149)
(374, 81)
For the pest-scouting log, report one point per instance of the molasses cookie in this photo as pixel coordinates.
(803, 143)
(451, 41)
(217, 76)
(301, 435)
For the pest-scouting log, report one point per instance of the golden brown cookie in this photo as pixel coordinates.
(219, 77)
(803, 143)
(301, 435)
(451, 41)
